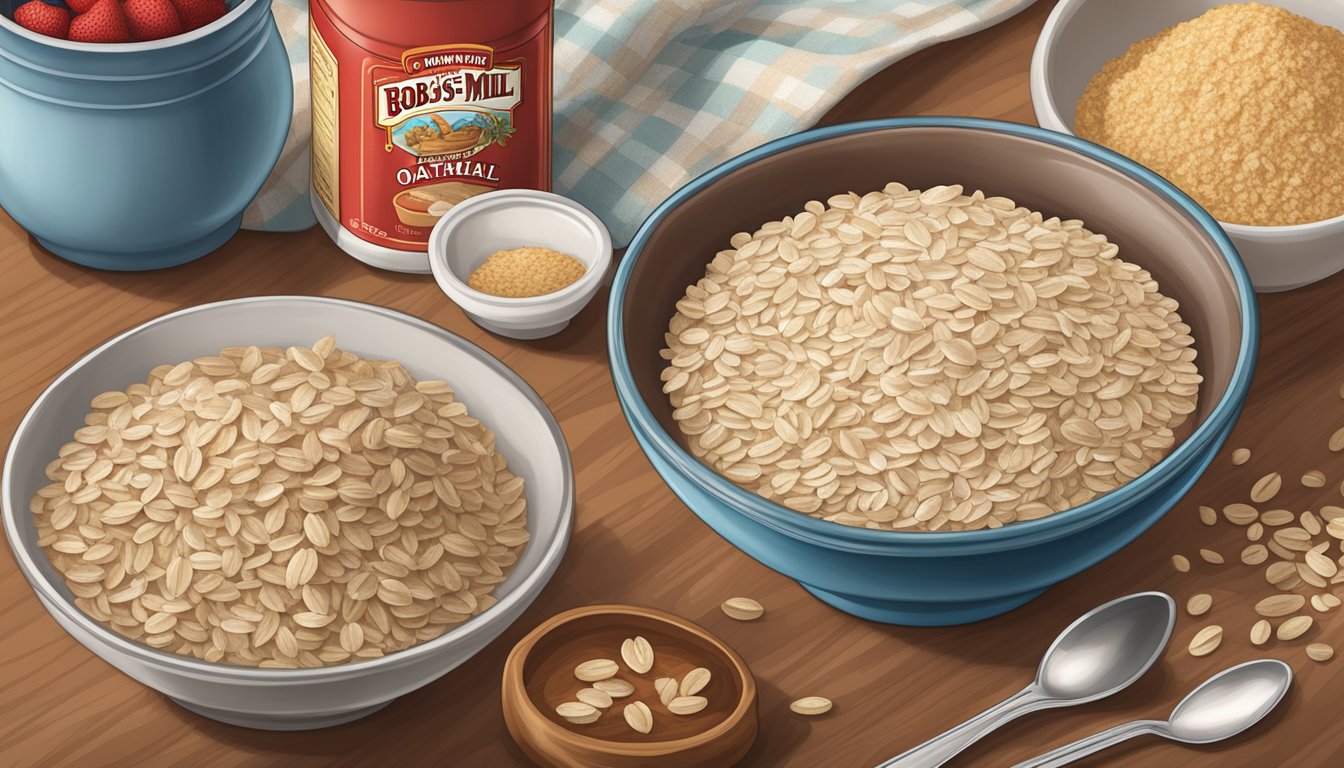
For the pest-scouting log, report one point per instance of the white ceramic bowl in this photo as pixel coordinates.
(516, 218)
(1082, 35)
(309, 698)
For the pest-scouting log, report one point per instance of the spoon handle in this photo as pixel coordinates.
(1094, 743)
(944, 747)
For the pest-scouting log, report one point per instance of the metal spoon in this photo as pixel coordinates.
(1225, 705)
(1101, 653)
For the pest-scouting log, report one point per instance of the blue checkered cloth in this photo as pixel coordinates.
(651, 93)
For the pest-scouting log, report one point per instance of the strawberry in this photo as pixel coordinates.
(104, 22)
(43, 19)
(198, 13)
(80, 6)
(152, 19)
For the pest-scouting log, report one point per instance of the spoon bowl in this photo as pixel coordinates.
(1108, 649)
(1230, 702)
(1101, 653)
(1220, 708)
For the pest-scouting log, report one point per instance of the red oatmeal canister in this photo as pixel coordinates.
(418, 105)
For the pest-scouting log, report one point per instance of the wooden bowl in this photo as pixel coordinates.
(539, 675)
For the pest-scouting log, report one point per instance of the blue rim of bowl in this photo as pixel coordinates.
(550, 559)
(831, 534)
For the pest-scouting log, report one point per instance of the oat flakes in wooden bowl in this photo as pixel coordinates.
(344, 575)
(944, 575)
(578, 690)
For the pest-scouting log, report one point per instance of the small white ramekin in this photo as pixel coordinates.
(517, 218)
(1082, 35)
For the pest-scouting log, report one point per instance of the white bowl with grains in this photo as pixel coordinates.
(1240, 109)
(292, 534)
(521, 263)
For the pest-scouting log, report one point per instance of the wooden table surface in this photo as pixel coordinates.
(635, 542)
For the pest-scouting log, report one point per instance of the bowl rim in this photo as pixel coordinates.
(138, 46)
(1044, 105)
(463, 294)
(832, 534)
(513, 682)
(523, 593)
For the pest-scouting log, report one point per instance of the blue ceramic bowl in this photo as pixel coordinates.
(920, 578)
(141, 155)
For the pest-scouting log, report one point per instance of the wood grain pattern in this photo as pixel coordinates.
(634, 542)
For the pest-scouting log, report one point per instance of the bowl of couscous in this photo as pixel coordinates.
(1236, 104)
(520, 263)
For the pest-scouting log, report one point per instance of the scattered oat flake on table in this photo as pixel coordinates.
(1293, 539)
(1240, 514)
(1314, 479)
(1277, 517)
(1208, 515)
(811, 706)
(1180, 563)
(1266, 488)
(1309, 576)
(1198, 605)
(1282, 574)
(1255, 554)
(1260, 632)
(1294, 628)
(1241, 456)
(1279, 605)
(1209, 556)
(1280, 552)
(742, 608)
(1320, 652)
(1321, 564)
(1310, 523)
(1336, 443)
(1206, 640)
(1254, 532)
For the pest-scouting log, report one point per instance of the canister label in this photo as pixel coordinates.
(420, 134)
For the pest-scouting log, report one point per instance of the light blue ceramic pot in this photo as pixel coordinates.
(942, 578)
(141, 155)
